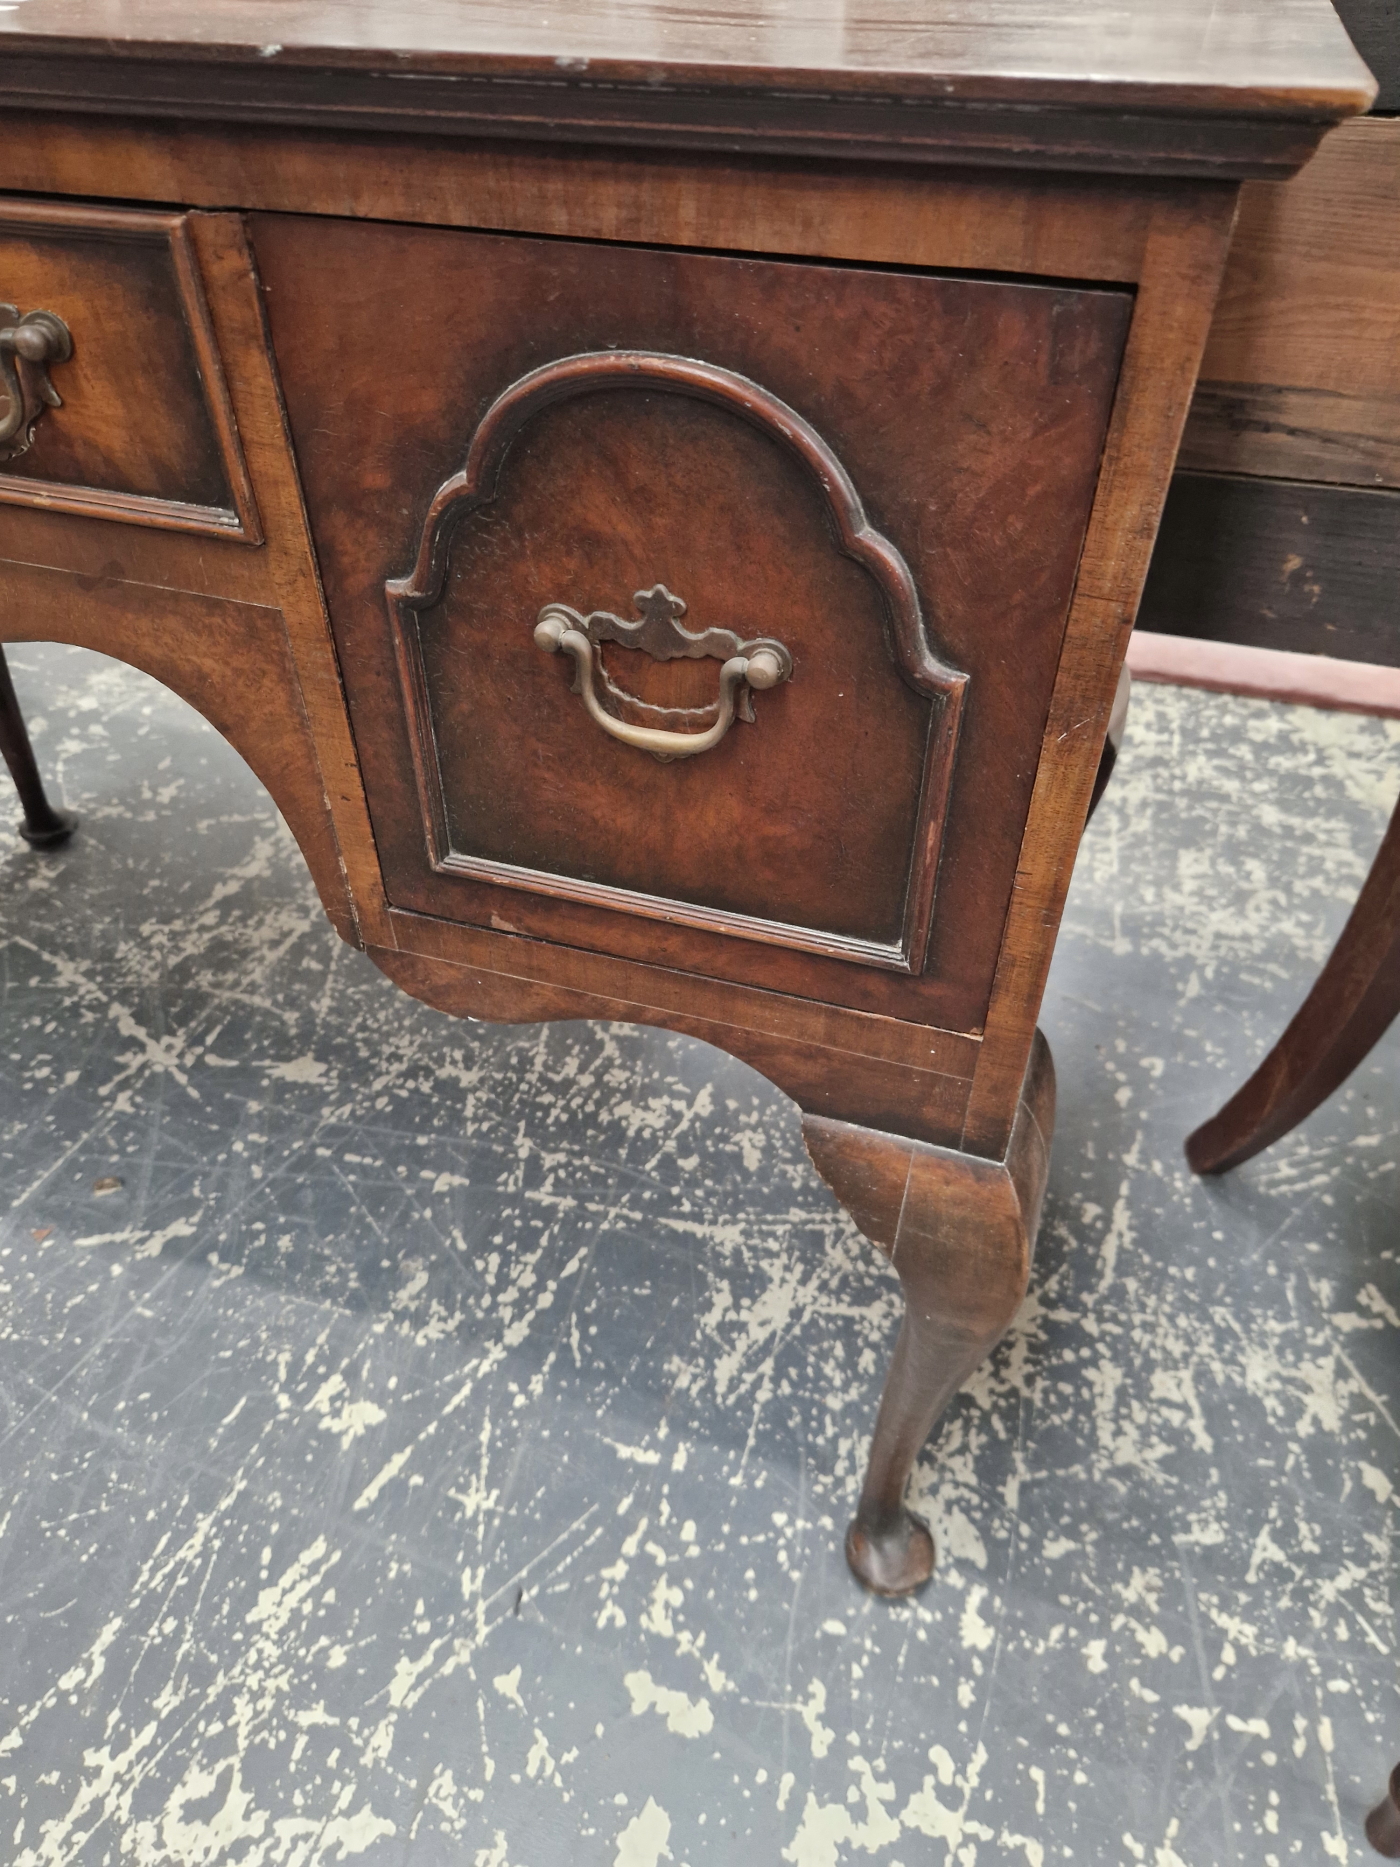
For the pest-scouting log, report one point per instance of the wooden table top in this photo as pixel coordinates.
(1016, 80)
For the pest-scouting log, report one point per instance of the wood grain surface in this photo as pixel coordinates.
(240, 633)
(960, 1233)
(1251, 54)
(1351, 1006)
(1055, 226)
(1301, 375)
(1284, 564)
(702, 471)
(1244, 87)
(1009, 439)
(970, 416)
(900, 1078)
(145, 428)
(1170, 322)
(230, 661)
(884, 1071)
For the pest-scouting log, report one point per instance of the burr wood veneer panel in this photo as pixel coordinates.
(142, 427)
(969, 417)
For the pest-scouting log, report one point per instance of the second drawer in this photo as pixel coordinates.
(560, 490)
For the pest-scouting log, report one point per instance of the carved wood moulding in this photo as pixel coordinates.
(757, 663)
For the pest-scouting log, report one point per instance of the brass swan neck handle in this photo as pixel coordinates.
(38, 338)
(757, 664)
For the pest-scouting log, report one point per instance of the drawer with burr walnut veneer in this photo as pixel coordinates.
(884, 475)
(147, 431)
(695, 506)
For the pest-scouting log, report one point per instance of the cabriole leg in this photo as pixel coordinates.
(42, 826)
(960, 1232)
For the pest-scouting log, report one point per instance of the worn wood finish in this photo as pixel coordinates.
(873, 1071)
(605, 830)
(42, 826)
(1347, 1012)
(950, 348)
(1183, 89)
(1279, 564)
(146, 430)
(288, 566)
(1300, 392)
(980, 476)
(1284, 59)
(1053, 226)
(239, 633)
(228, 660)
(1301, 375)
(1175, 295)
(960, 1232)
(1278, 432)
(659, 994)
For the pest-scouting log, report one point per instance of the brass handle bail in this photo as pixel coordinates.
(561, 629)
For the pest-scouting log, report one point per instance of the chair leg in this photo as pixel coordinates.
(1349, 1009)
(43, 827)
(1113, 744)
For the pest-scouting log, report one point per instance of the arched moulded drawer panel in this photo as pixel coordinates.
(740, 845)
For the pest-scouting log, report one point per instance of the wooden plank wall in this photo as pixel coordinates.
(1282, 529)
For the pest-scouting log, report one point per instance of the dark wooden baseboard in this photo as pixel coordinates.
(1279, 564)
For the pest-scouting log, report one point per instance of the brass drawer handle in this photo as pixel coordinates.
(757, 664)
(40, 338)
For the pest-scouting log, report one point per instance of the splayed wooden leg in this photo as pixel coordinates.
(1353, 1003)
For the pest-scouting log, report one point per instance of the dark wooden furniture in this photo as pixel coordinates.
(657, 577)
(41, 826)
(1347, 1012)
(1383, 1822)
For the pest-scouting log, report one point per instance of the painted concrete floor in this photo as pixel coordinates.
(427, 1442)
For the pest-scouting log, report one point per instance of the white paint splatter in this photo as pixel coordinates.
(973, 1630)
(306, 1069)
(354, 1416)
(827, 1826)
(684, 1716)
(642, 1842)
(1198, 1719)
(508, 1685)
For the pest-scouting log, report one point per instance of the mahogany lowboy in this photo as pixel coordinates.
(656, 578)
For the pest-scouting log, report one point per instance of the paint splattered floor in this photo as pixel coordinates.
(434, 1443)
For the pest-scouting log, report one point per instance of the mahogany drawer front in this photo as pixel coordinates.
(889, 474)
(142, 428)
